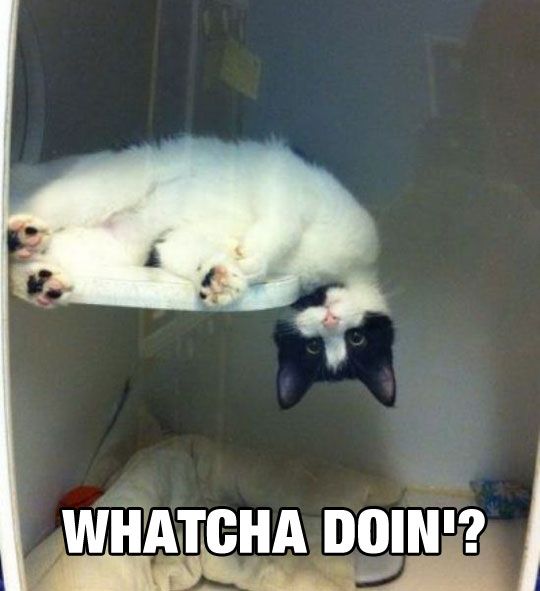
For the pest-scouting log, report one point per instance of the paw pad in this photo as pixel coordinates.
(26, 236)
(221, 285)
(45, 288)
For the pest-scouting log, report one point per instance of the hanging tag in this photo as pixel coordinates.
(241, 69)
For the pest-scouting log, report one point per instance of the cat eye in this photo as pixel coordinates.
(356, 339)
(313, 347)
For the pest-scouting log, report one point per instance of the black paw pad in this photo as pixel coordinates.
(153, 259)
(13, 241)
(31, 231)
(54, 294)
(34, 285)
(208, 278)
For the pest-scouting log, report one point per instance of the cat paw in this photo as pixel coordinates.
(222, 284)
(27, 236)
(251, 265)
(41, 284)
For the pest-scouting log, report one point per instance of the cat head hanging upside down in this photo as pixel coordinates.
(331, 338)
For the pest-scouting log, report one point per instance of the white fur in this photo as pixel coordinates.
(348, 306)
(335, 350)
(255, 206)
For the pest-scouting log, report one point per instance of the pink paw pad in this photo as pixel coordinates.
(26, 236)
(47, 289)
(221, 285)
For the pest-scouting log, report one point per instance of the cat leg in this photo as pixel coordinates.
(208, 263)
(44, 279)
(85, 190)
(41, 283)
(265, 244)
(27, 236)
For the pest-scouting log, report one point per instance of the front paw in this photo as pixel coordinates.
(41, 284)
(222, 284)
(27, 236)
(251, 265)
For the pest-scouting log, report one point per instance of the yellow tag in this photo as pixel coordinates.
(241, 69)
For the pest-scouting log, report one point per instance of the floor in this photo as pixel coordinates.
(496, 568)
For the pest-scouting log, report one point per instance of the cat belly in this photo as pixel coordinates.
(81, 249)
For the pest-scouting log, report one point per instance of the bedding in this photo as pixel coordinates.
(194, 471)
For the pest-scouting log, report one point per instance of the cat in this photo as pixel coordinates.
(330, 338)
(222, 215)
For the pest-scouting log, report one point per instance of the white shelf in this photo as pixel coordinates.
(142, 287)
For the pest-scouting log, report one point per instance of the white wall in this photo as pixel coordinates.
(346, 81)
(68, 369)
(97, 59)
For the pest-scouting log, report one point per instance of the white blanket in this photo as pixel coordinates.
(192, 471)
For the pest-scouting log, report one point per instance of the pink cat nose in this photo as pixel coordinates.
(330, 320)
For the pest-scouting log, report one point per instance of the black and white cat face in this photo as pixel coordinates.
(335, 335)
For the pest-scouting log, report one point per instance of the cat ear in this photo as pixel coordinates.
(292, 384)
(382, 383)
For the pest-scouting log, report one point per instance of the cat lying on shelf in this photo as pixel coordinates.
(222, 215)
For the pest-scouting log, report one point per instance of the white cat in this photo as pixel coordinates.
(222, 215)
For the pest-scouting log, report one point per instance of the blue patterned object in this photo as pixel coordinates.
(538, 582)
(502, 499)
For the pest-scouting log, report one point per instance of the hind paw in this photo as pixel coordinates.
(27, 236)
(41, 284)
(222, 284)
